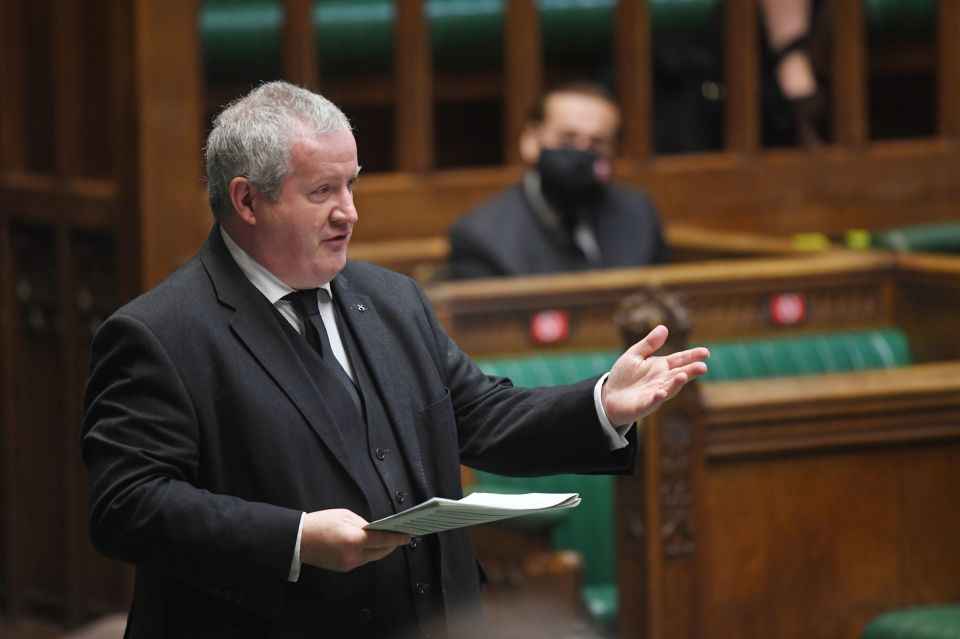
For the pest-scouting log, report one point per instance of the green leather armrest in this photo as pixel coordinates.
(935, 238)
(921, 622)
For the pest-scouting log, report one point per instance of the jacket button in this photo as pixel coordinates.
(401, 496)
(422, 588)
(381, 454)
(413, 542)
(364, 616)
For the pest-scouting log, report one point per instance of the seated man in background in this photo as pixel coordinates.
(565, 215)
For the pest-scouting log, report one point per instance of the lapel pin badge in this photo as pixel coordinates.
(361, 308)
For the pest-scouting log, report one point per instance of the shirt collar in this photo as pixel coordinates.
(271, 286)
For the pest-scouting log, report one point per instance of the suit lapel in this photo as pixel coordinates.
(378, 350)
(255, 325)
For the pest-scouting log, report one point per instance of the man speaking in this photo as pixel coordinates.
(247, 417)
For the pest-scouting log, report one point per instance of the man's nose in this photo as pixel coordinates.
(345, 211)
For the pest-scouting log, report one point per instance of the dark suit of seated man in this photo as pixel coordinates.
(565, 215)
(246, 418)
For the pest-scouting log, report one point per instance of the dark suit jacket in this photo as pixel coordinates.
(504, 237)
(205, 439)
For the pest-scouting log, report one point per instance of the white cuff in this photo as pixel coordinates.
(616, 435)
(295, 564)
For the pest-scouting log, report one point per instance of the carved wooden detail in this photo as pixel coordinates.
(677, 530)
(35, 284)
(638, 314)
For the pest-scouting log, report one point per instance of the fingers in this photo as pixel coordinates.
(683, 358)
(336, 540)
(651, 343)
(384, 539)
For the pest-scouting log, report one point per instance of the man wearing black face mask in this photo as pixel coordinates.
(565, 215)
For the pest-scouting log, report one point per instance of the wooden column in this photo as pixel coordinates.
(299, 47)
(948, 67)
(68, 76)
(523, 72)
(635, 78)
(172, 219)
(12, 68)
(13, 572)
(741, 56)
(414, 88)
(72, 497)
(849, 86)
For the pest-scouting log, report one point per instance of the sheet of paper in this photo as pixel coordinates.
(438, 514)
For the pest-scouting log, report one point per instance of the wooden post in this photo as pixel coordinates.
(13, 572)
(172, 220)
(849, 85)
(635, 78)
(299, 47)
(523, 72)
(948, 67)
(414, 90)
(12, 67)
(67, 57)
(71, 498)
(741, 52)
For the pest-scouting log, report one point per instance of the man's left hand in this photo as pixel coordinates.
(639, 382)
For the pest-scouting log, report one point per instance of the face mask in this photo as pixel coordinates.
(567, 179)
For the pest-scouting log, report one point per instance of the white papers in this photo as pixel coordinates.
(438, 514)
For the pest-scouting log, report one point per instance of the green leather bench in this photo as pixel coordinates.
(241, 39)
(589, 529)
(921, 622)
(943, 237)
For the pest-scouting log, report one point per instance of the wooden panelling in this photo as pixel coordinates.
(849, 85)
(12, 71)
(948, 68)
(299, 47)
(37, 416)
(414, 88)
(741, 53)
(168, 109)
(818, 522)
(635, 78)
(832, 191)
(68, 77)
(10, 561)
(727, 299)
(523, 62)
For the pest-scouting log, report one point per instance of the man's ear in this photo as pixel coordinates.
(242, 194)
(530, 143)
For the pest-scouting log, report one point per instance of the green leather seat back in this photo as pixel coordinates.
(933, 238)
(241, 39)
(808, 354)
(589, 527)
(921, 622)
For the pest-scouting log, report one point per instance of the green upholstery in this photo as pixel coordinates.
(241, 39)
(922, 622)
(808, 354)
(934, 238)
(588, 529)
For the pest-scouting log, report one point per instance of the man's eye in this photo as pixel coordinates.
(322, 190)
(352, 183)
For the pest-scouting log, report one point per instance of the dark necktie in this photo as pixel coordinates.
(307, 308)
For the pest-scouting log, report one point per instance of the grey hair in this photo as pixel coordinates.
(252, 138)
